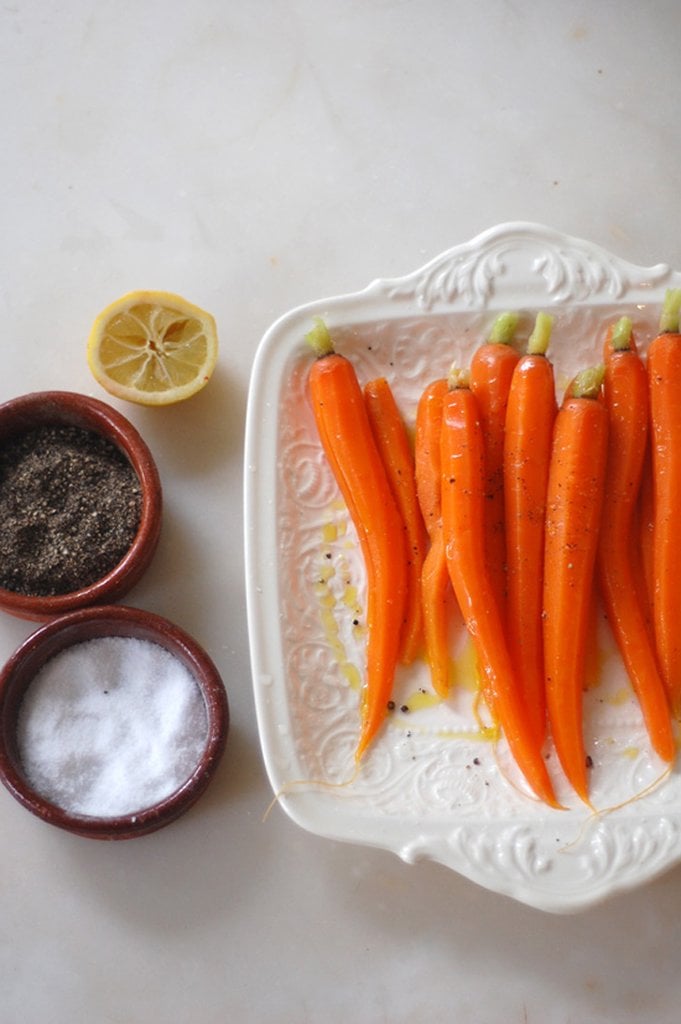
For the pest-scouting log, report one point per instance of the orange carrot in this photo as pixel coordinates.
(491, 371)
(664, 378)
(573, 513)
(643, 554)
(463, 501)
(643, 516)
(592, 648)
(435, 583)
(394, 447)
(530, 415)
(626, 400)
(347, 439)
(427, 453)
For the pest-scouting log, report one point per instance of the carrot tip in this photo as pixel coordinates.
(319, 338)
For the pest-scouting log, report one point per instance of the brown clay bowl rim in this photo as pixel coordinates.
(89, 623)
(69, 407)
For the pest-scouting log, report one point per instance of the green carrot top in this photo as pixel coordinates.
(504, 328)
(458, 378)
(538, 341)
(671, 308)
(319, 338)
(621, 335)
(587, 383)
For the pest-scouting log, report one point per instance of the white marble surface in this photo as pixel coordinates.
(253, 157)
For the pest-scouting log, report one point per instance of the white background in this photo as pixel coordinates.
(253, 157)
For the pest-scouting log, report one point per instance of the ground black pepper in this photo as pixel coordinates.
(70, 506)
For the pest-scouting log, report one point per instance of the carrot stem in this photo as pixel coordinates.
(319, 339)
(621, 336)
(671, 311)
(504, 329)
(458, 377)
(587, 383)
(538, 341)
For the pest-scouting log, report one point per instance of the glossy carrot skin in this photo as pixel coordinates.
(491, 371)
(530, 416)
(644, 514)
(427, 453)
(463, 501)
(626, 400)
(664, 379)
(347, 438)
(573, 514)
(394, 447)
(435, 583)
(643, 553)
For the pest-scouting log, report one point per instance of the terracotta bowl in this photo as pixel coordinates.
(66, 408)
(87, 624)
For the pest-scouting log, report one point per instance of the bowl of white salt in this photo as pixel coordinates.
(112, 722)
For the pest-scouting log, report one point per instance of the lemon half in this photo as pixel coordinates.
(153, 348)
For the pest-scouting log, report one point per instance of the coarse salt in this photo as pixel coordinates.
(111, 726)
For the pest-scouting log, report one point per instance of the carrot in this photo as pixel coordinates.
(530, 416)
(347, 439)
(491, 371)
(463, 502)
(427, 453)
(664, 378)
(573, 512)
(643, 546)
(435, 583)
(626, 400)
(395, 449)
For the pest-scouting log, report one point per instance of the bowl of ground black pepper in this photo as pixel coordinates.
(113, 721)
(80, 504)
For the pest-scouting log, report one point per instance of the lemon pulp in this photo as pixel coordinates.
(153, 348)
